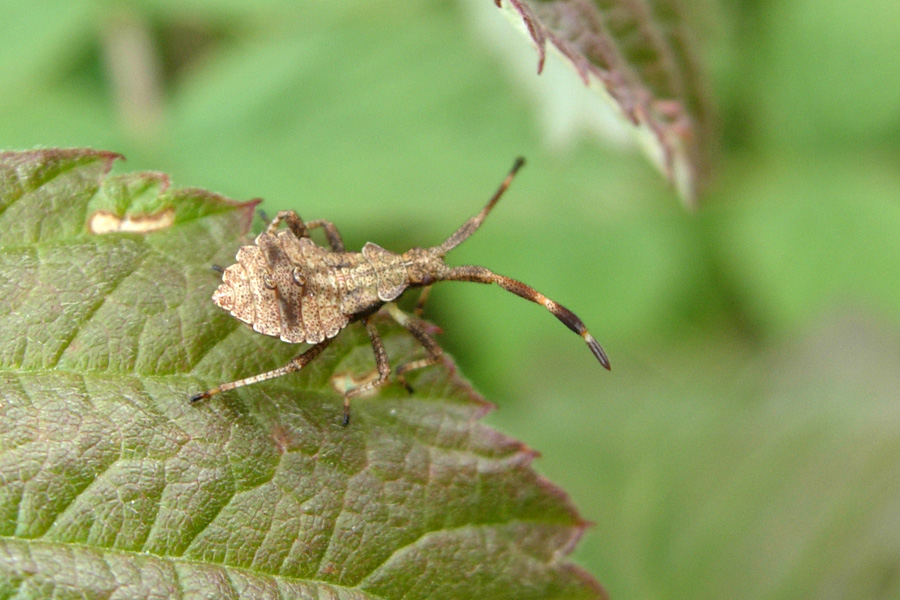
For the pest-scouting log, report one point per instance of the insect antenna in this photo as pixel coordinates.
(568, 318)
(483, 275)
(469, 227)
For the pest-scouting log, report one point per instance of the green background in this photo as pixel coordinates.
(747, 441)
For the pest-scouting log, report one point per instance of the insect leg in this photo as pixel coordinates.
(331, 232)
(295, 365)
(569, 319)
(420, 303)
(381, 361)
(431, 347)
(294, 223)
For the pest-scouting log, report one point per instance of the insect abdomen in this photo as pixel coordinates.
(283, 287)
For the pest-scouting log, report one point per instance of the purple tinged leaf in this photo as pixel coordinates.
(641, 55)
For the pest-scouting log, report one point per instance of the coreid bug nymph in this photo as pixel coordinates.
(287, 286)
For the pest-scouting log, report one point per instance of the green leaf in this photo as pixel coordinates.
(640, 57)
(796, 248)
(811, 70)
(113, 482)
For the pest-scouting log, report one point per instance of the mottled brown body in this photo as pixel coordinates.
(287, 286)
(292, 288)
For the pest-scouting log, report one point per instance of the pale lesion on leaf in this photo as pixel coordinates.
(104, 221)
(344, 381)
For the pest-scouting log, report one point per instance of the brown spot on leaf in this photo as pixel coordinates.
(285, 438)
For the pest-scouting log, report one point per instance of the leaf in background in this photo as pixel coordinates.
(798, 240)
(112, 482)
(40, 39)
(637, 54)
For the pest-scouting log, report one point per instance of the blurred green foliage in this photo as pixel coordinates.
(747, 442)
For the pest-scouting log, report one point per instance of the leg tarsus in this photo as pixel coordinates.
(201, 396)
(346, 419)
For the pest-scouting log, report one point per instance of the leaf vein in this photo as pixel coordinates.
(86, 318)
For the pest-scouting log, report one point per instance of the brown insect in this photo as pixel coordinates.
(287, 286)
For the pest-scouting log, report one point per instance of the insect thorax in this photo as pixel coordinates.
(292, 288)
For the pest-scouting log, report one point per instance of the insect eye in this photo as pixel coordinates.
(268, 281)
(298, 276)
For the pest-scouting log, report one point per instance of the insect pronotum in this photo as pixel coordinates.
(287, 286)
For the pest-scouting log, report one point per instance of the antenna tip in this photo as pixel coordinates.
(518, 163)
(597, 351)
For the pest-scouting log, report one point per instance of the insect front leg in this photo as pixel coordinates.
(431, 347)
(381, 362)
(294, 223)
(295, 365)
(419, 310)
(331, 232)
